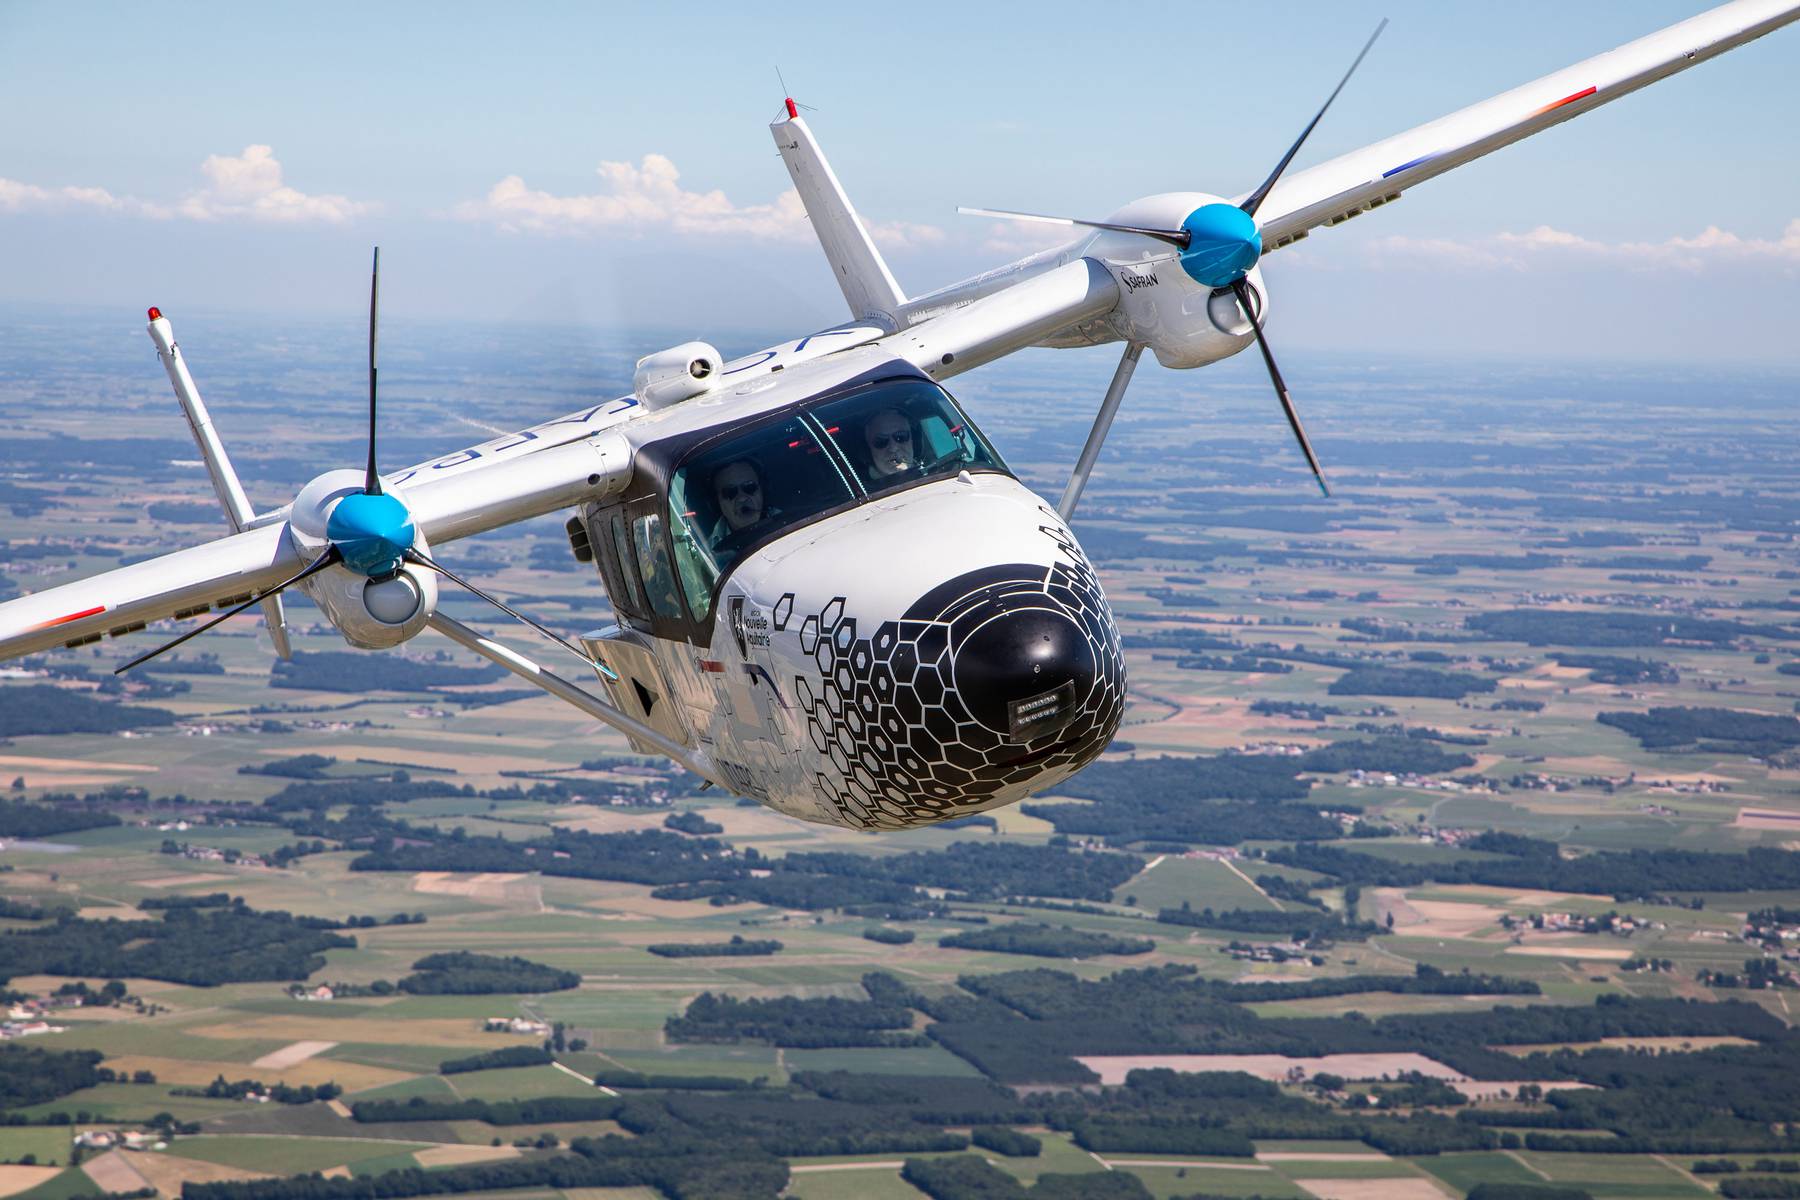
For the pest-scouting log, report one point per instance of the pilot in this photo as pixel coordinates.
(737, 489)
(889, 438)
(744, 512)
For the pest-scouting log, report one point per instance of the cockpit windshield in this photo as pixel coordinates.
(749, 487)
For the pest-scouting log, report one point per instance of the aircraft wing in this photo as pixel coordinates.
(186, 583)
(1354, 183)
(230, 570)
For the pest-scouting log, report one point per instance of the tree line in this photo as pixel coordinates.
(1045, 941)
(509, 1056)
(737, 947)
(793, 1022)
(1624, 874)
(53, 814)
(1711, 730)
(461, 973)
(204, 947)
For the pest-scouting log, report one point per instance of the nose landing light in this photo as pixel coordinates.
(1021, 672)
(1039, 716)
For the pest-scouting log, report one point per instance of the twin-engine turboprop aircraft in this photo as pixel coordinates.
(831, 594)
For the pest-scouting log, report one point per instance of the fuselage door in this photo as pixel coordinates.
(639, 688)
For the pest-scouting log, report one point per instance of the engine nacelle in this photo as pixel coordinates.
(676, 374)
(375, 614)
(1184, 322)
(372, 614)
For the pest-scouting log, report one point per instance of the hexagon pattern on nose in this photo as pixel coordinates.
(913, 714)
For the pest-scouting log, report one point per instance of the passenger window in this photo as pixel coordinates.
(653, 567)
(631, 596)
(600, 538)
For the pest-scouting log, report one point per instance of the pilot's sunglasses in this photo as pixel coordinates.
(732, 491)
(881, 441)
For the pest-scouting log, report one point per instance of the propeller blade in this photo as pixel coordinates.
(372, 481)
(1242, 291)
(1254, 200)
(318, 564)
(1177, 238)
(415, 556)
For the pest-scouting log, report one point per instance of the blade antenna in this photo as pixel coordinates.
(1242, 291)
(318, 564)
(372, 481)
(423, 560)
(790, 96)
(1254, 200)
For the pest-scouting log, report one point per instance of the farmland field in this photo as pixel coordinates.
(1386, 876)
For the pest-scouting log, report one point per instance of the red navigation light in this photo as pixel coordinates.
(155, 313)
(793, 110)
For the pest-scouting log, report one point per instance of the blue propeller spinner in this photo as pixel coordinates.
(1223, 243)
(372, 531)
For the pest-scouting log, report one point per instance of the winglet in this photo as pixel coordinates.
(868, 285)
(238, 513)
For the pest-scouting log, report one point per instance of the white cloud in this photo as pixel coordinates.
(21, 197)
(901, 235)
(636, 199)
(248, 185)
(1533, 249)
(649, 197)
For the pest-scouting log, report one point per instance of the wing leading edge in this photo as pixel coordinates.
(230, 570)
(1354, 183)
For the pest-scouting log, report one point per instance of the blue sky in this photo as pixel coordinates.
(394, 123)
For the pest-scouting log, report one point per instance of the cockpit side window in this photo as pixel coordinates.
(741, 490)
(694, 564)
(901, 432)
(737, 494)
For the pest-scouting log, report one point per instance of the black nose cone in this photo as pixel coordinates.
(1025, 672)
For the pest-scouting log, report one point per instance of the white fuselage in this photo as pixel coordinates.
(860, 669)
(918, 647)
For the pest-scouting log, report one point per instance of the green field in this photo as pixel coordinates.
(883, 1184)
(284, 1156)
(1202, 883)
(516, 1083)
(1607, 1175)
(1465, 1171)
(49, 1146)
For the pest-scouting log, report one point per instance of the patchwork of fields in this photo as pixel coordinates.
(1246, 606)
